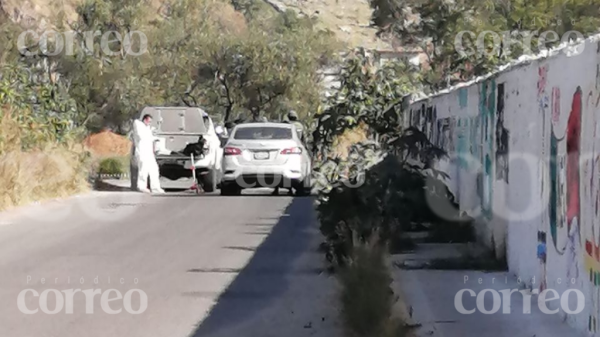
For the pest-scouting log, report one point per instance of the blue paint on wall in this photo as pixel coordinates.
(463, 97)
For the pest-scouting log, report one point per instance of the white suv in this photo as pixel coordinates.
(175, 128)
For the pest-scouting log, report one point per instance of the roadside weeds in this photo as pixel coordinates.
(369, 307)
(35, 168)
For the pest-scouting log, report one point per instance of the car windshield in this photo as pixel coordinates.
(263, 132)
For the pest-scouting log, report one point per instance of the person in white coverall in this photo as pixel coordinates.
(143, 140)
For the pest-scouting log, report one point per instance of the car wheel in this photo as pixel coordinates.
(304, 187)
(209, 181)
(230, 189)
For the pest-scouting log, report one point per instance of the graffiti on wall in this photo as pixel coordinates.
(592, 236)
(592, 251)
(565, 208)
(541, 255)
(543, 104)
(567, 239)
(487, 106)
(475, 146)
(445, 133)
(573, 135)
(550, 110)
(555, 105)
(483, 137)
(463, 141)
(424, 119)
(573, 146)
(430, 118)
(463, 97)
(597, 67)
(415, 118)
(502, 137)
(542, 79)
(557, 208)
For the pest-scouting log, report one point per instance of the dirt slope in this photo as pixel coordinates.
(348, 19)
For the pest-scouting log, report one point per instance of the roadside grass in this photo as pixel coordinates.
(367, 298)
(45, 172)
(54, 172)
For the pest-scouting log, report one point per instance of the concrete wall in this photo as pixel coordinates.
(525, 146)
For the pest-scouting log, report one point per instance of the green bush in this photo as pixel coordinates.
(112, 166)
(392, 174)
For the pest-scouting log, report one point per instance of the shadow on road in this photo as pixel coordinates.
(265, 279)
(188, 194)
(178, 192)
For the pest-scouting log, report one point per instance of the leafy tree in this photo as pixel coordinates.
(202, 53)
(368, 94)
(434, 25)
(199, 53)
(106, 81)
(266, 70)
(33, 94)
(389, 179)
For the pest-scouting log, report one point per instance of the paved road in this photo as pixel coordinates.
(209, 265)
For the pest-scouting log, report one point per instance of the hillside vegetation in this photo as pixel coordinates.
(236, 64)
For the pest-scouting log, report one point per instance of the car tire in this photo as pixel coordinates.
(209, 181)
(230, 189)
(304, 187)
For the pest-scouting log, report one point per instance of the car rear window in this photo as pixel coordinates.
(263, 132)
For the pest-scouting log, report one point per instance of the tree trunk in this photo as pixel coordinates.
(228, 113)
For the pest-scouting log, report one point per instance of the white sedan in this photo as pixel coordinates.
(265, 155)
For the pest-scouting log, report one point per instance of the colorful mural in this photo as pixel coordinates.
(549, 110)
(558, 206)
(573, 144)
(555, 187)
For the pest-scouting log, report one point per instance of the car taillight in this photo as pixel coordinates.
(293, 150)
(231, 151)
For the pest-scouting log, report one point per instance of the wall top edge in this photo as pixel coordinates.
(568, 48)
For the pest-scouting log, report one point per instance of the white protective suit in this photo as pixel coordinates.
(143, 140)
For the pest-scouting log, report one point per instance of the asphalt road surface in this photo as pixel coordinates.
(208, 266)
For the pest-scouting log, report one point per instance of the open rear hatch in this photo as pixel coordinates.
(175, 128)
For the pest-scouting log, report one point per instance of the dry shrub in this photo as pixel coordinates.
(107, 144)
(228, 19)
(40, 14)
(47, 172)
(348, 138)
